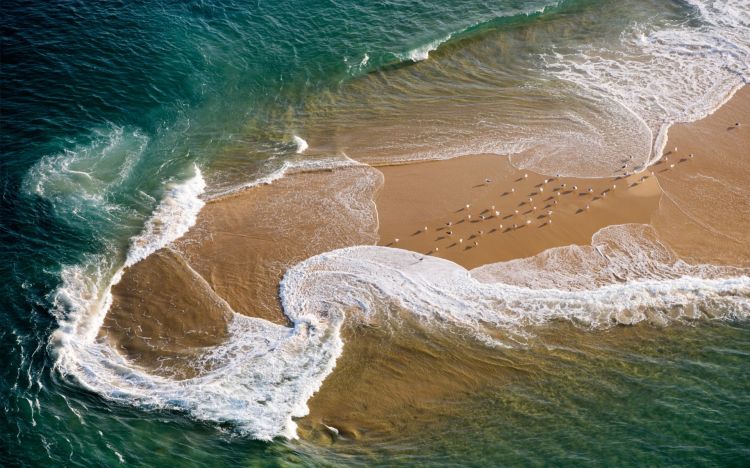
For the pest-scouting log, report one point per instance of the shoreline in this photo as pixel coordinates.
(242, 243)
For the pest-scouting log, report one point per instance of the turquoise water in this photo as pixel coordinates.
(107, 106)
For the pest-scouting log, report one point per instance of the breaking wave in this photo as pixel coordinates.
(263, 376)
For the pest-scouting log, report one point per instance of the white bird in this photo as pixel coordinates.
(468, 206)
(528, 221)
(541, 189)
(396, 240)
(512, 190)
(460, 241)
(671, 166)
(525, 176)
(497, 213)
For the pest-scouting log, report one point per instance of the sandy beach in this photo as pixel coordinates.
(175, 303)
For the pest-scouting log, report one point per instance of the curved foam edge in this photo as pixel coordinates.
(301, 144)
(265, 373)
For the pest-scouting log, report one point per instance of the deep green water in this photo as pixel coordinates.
(105, 104)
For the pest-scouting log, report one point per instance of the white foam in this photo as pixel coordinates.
(422, 52)
(80, 178)
(291, 166)
(675, 73)
(262, 377)
(173, 217)
(301, 144)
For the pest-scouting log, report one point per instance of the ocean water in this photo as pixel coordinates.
(120, 119)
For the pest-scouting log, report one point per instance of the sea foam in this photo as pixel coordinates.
(677, 72)
(301, 144)
(263, 376)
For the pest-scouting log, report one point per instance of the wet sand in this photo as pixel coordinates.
(234, 257)
(696, 203)
(514, 214)
(703, 212)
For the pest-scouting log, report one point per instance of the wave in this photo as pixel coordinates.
(677, 72)
(421, 52)
(79, 180)
(264, 374)
(290, 166)
(174, 216)
(301, 144)
(83, 298)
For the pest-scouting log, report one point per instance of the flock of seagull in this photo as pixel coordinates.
(534, 204)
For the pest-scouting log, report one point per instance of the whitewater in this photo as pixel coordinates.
(263, 376)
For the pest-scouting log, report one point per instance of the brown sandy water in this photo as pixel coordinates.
(397, 375)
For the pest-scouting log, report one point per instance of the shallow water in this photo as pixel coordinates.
(120, 120)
